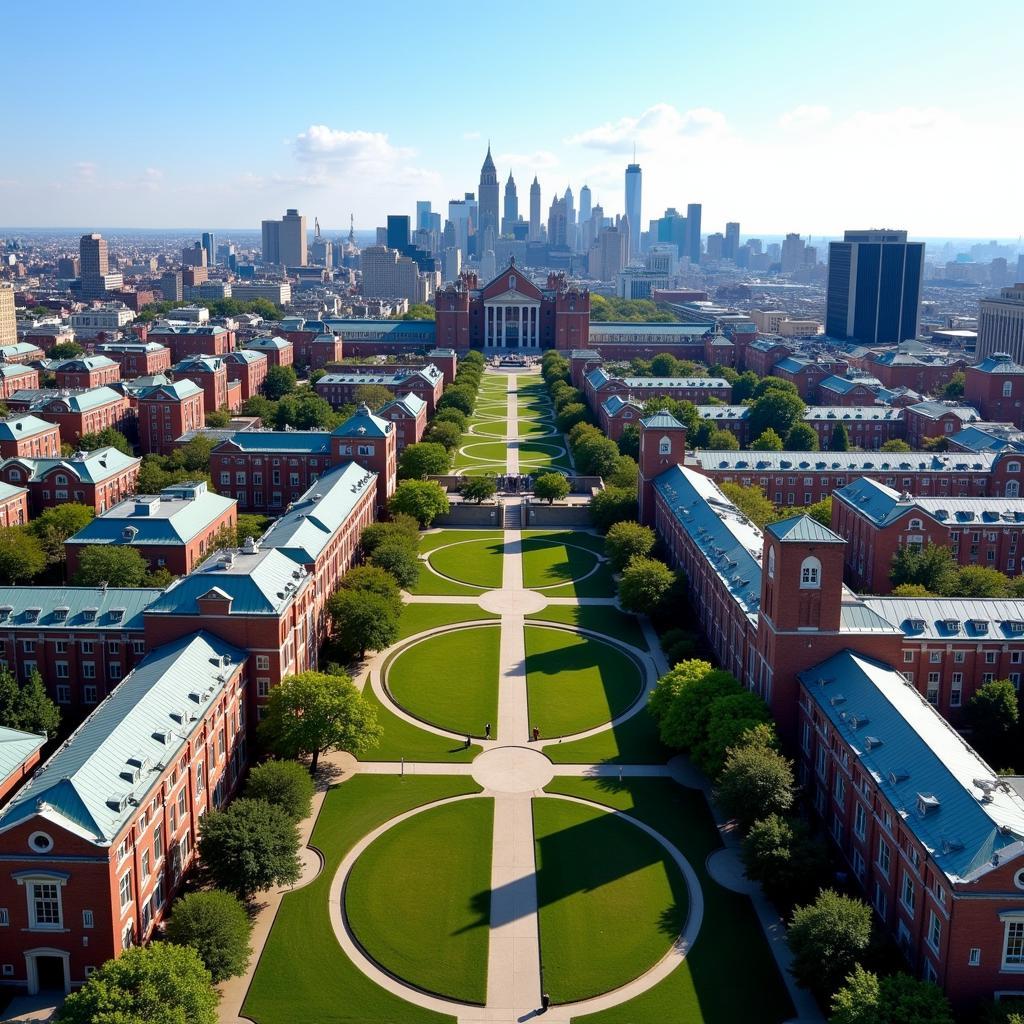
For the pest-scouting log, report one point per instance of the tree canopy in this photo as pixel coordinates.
(424, 500)
(423, 459)
(216, 925)
(285, 784)
(827, 939)
(113, 564)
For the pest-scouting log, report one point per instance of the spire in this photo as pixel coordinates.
(488, 162)
(352, 228)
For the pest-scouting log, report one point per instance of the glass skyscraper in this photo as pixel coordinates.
(633, 206)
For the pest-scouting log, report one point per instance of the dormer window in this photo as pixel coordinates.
(665, 446)
(810, 574)
(915, 524)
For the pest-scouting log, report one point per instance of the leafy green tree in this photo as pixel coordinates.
(372, 579)
(625, 474)
(555, 368)
(596, 456)
(664, 364)
(827, 938)
(624, 541)
(55, 525)
(419, 311)
(550, 487)
(955, 387)
(979, 581)
(452, 415)
(840, 438)
(218, 418)
(108, 437)
(458, 396)
(285, 784)
(730, 718)
(895, 445)
(629, 441)
(898, 998)
(250, 525)
(743, 386)
(478, 489)
(821, 511)
(769, 441)
(931, 566)
(424, 500)
(678, 645)
(401, 529)
(992, 715)
(22, 557)
(162, 983)
(446, 433)
(722, 441)
(261, 406)
(66, 350)
(313, 713)
(216, 925)
(644, 584)
(249, 847)
(751, 501)
(802, 437)
(111, 564)
(279, 381)
(777, 409)
(34, 711)
(423, 459)
(681, 701)
(782, 855)
(911, 590)
(374, 396)
(8, 699)
(193, 456)
(755, 780)
(305, 410)
(610, 506)
(570, 415)
(363, 621)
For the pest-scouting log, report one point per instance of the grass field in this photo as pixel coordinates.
(302, 964)
(474, 562)
(634, 741)
(575, 683)
(418, 899)
(450, 680)
(599, 618)
(434, 585)
(611, 900)
(557, 562)
(417, 618)
(402, 739)
(730, 945)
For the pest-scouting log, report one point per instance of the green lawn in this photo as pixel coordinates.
(634, 741)
(559, 559)
(475, 541)
(599, 618)
(418, 899)
(575, 683)
(729, 975)
(450, 680)
(430, 541)
(302, 964)
(492, 428)
(417, 618)
(475, 562)
(481, 451)
(402, 739)
(611, 900)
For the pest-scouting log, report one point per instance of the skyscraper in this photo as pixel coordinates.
(488, 200)
(556, 223)
(95, 275)
(398, 232)
(210, 245)
(293, 239)
(585, 210)
(732, 240)
(535, 210)
(271, 241)
(8, 318)
(693, 232)
(570, 218)
(874, 287)
(511, 211)
(633, 208)
(792, 253)
(422, 214)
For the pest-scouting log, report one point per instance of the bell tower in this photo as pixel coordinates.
(662, 446)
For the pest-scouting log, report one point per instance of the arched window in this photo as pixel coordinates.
(665, 446)
(1007, 388)
(915, 524)
(771, 563)
(15, 474)
(61, 479)
(810, 574)
(1012, 489)
(1013, 467)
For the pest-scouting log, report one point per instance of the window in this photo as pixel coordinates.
(182, 798)
(990, 657)
(860, 820)
(89, 670)
(263, 662)
(884, 857)
(858, 864)
(125, 889)
(44, 905)
(1013, 944)
(63, 694)
(881, 900)
(810, 574)
(907, 892)
(958, 657)
(935, 657)
(145, 865)
(934, 930)
(87, 919)
(839, 789)
(200, 778)
(5, 918)
(908, 656)
(158, 842)
(115, 670)
(87, 647)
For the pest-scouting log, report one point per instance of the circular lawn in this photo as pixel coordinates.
(475, 562)
(550, 563)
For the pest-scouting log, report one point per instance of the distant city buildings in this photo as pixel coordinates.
(284, 240)
(96, 277)
(1001, 324)
(634, 182)
(390, 275)
(8, 320)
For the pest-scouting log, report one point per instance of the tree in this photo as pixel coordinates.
(752, 502)
(305, 410)
(458, 396)
(279, 381)
(8, 699)
(162, 983)
(374, 396)
(992, 715)
(420, 460)
(682, 699)
(644, 584)
(66, 350)
(777, 409)
(911, 590)
(478, 488)
(34, 711)
(312, 713)
(898, 998)
(840, 438)
(722, 440)
(664, 364)
(402, 529)
(371, 579)
(21, 555)
(424, 500)
(802, 437)
(782, 856)
(218, 417)
(446, 433)
(826, 938)
(108, 437)
(731, 717)
(755, 780)
(955, 387)
(215, 924)
(979, 581)
(629, 441)
(743, 386)
(261, 406)
(55, 525)
(570, 415)
(610, 506)
(931, 566)
(250, 846)
(596, 455)
(769, 441)
(821, 511)
(895, 445)
(550, 487)
(626, 539)
(363, 621)
(111, 564)
(418, 311)
(285, 784)
(452, 415)
(398, 559)
(625, 474)
(250, 525)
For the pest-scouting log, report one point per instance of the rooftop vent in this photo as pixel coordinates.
(857, 721)
(898, 775)
(872, 742)
(927, 803)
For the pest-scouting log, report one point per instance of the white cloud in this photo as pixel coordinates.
(471, 136)
(527, 163)
(807, 115)
(652, 129)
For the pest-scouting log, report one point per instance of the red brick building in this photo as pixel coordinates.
(15, 377)
(86, 372)
(187, 339)
(137, 359)
(13, 505)
(278, 351)
(868, 426)
(75, 412)
(847, 391)
(936, 419)
(249, 368)
(211, 374)
(166, 411)
(19, 754)
(120, 804)
(21, 352)
(925, 374)
(995, 387)
(99, 478)
(425, 382)
(28, 435)
(764, 353)
(409, 415)
(806, 374)
(600, 385)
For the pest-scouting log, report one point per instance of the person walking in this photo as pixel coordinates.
(487, 731)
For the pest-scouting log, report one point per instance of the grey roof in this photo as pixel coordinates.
(130, 346)
(72, 608)
(15, 369)
(884, 505)
(96, 781)
(274, 343)
(849, 462)
(935, 410)
(986, 439)
(244, 355)
(388, 378)
(729, 541)
(699, 383)
(853, 412)
(410, 403)
(998, 362)
(805, 529)
(843, 385)
(178, 389)
(90, 467)
(603, 330)
(162, 327)
(661, 420)
(75, 399)
(306, 442)
(364, 423)
(17, 427)
(614, 403)
(16, 747)
(945, 794)
(947, 618)
(309, 524)
(200, 364)
(82, 364)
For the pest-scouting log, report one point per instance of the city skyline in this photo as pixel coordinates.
(744, 145)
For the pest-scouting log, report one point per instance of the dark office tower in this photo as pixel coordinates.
(92, 250)
(511, 210)
(732, 240)
(535, 210)
(693, 232)
(210, 245)
(398, 231)
(271, 230)
(671, 230)
(488, 198)
(874, 287)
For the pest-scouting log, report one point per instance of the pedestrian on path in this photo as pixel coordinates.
(467, 742)
(545, 1002)
(487, 731)
(536, 734)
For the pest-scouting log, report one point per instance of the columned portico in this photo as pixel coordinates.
(511, 320)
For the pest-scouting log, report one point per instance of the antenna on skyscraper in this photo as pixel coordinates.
(316, 226)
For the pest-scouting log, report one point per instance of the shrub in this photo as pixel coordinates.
(643, 584)
(215, 924)
(826, 938)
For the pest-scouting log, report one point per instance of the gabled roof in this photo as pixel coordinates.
(884, 505)
(199, 364)
(76, 400)
(89, 467)
(364, 423)
(274, 343)
(96, 781)
(950, 618)
(19, 348)
(70, 608)
(244, 355)
(616, 403)
(936, 410)
(411, 404)
(998, 362)
(15, 370)
(82, 364)
(306, 442)
(982, 439)
(852, 412)
(16, 747)
(946, 795)
(803, 528)
(130, 346)
(661, 421)
(844, 385)
(18, 427)
(183, 327)
(177, 390)
(696, 383)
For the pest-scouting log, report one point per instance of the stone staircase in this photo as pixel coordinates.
(513, 516)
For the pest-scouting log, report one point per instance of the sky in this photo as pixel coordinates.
(800, 116)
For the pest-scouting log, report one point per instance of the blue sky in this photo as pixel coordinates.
(806, 117)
